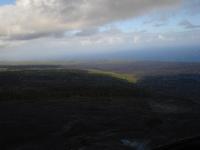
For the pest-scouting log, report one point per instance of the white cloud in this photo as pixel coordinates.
(30, 19)
(136, 39)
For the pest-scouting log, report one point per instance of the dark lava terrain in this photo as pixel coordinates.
(62, 109)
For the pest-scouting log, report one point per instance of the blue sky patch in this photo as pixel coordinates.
(5, 2)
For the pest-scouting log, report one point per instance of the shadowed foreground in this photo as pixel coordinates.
(76, 110)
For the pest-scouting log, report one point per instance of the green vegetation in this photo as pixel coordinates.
(64, 83)
(123, 76)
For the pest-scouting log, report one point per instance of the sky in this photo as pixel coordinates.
(68, 29)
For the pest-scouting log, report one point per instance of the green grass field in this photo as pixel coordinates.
(65, 83)
(127, 77)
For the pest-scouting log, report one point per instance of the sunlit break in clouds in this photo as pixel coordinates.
(69, 29)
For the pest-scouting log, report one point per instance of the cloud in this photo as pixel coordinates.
(30, 36)
(159, 24)
(2, 44)
(32, 19)
(161, 18)
(103, 42)
(188, 25)
(192, 6)
(87, 32)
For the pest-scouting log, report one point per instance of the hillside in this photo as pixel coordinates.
(55, 107)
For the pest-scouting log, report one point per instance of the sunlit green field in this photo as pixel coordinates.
(33, 84)
(127, 77)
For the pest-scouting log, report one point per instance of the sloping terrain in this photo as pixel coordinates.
(45, 108)
(53, 84)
